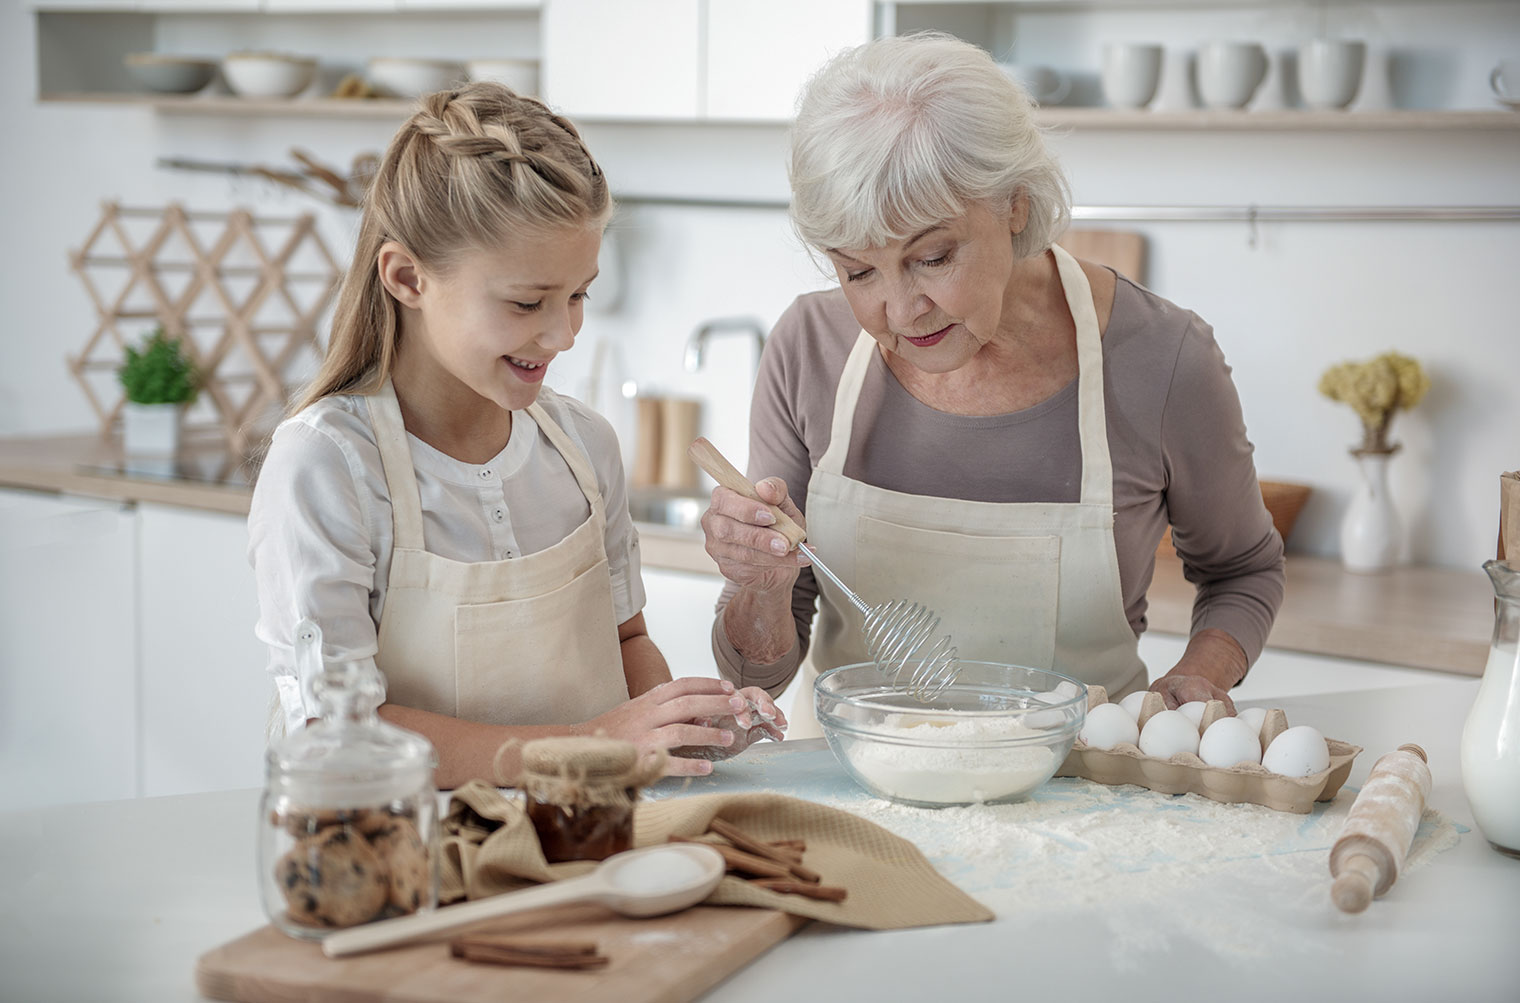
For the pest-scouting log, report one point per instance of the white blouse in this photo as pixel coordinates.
(320, 533)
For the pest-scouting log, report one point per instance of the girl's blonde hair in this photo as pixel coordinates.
(903, 133)
(471, 168)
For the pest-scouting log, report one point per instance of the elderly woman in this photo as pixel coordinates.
(975, 420)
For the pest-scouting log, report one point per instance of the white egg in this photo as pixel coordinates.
(1298, 752)
(1194, 711)
(1229, 742)
(1169, 733)
(1253, 716)
(1107, 725)
(1131, 704)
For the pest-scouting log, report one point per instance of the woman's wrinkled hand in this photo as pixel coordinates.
(761, 719)
(668, 717)
(1177, 689)
(738, 536)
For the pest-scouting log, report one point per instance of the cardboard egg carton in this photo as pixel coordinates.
(1185, 773)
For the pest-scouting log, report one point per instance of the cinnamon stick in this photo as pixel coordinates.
(500, 950)
(799, 845)
(738, 860)
(745, 841)
(806, 889)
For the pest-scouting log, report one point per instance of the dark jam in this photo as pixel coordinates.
(590, 832)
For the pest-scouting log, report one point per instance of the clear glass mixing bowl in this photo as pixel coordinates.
(997, 733)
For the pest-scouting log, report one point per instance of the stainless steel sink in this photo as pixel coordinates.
(667, 508)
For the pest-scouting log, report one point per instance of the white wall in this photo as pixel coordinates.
(1304, 296)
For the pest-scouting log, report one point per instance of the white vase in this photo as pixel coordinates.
(1370, 530)
(150, 430)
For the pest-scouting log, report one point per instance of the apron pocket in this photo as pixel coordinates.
(548, 659)
(996, 596)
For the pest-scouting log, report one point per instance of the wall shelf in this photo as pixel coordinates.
(1073, 118)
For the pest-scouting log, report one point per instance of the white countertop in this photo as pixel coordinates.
(115, 901)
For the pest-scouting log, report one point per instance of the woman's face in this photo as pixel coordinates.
(936, 297)
(496, 318)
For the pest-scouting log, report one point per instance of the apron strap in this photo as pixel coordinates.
(396, 458)
(845, 399)
(575, 458)
(1092, 424)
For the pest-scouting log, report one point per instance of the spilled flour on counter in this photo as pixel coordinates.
(1163, 870)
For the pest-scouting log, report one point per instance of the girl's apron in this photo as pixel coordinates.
(529, 640)
(1028, 583)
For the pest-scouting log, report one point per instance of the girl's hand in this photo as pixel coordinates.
(667, 717)
(759, 720)
(748, 552)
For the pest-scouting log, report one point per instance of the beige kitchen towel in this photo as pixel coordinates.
(490, 846)
(1509, 516)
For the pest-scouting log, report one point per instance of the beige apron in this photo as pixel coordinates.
(529, 640)
(1029, 583)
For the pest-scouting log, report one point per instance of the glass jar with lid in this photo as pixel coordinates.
(348, 824)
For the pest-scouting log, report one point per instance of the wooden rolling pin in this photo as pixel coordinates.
(1370, 850)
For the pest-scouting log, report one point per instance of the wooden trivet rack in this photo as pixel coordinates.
(248, 347)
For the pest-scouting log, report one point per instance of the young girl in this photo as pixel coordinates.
(430, 504)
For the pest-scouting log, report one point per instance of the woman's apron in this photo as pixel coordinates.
(529, 640)
(1028, 583)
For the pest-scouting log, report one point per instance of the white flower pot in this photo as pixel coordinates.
(1370, 531)
(151, 430)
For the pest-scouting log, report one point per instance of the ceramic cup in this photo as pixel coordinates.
(1230, 72)
(1131, 72)
(1505, 80)
(1045, 85)
(1330, 71)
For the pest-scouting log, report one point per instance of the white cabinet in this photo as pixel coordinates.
(205, 692)
(611, 59)
(68, 650)
(679, 614)
(691, 59)
(760, 55)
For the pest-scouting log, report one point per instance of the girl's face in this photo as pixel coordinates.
(495, 320)
(937, 297)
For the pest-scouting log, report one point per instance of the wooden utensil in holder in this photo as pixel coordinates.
(1185, 773)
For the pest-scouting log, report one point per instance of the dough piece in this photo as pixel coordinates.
(405, 859)
(332, 879)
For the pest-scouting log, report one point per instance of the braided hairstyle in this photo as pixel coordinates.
(470, 168)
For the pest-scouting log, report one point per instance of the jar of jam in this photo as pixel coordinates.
(348, 825)
(580, 794)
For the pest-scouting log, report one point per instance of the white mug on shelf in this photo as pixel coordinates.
(1230, 72)
(1505, 81)
(1045, 85)
(1330, 71)
(1131, 73)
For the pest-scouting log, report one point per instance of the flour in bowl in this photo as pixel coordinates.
(944, 774)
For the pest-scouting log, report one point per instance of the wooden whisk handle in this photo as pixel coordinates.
(705, 455)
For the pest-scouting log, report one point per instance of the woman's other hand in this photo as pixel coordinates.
(667, 717)
(1213, 663)
(739, 538)
(761, 719)
(1178, 689)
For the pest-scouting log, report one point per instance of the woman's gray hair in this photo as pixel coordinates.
(903, 133)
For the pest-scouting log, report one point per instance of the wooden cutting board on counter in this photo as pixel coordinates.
(1121, 250)
(668, 958)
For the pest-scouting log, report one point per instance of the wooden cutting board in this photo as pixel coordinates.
(668, 958)
(1121, 250)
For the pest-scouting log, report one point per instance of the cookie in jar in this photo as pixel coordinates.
(349, 818)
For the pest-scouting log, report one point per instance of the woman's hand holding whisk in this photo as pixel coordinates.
(748, 552)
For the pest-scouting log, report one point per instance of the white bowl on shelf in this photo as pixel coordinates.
(268, 74)
(410, 78)
(519, 74)
(166, 73)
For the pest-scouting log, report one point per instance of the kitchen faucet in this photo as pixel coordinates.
(697, 343)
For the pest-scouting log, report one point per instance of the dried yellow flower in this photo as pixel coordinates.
(1375, 389)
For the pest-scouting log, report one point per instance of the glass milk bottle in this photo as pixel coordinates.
(348, 826)
(1491, 739)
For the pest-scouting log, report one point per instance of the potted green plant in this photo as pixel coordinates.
(160, 382)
